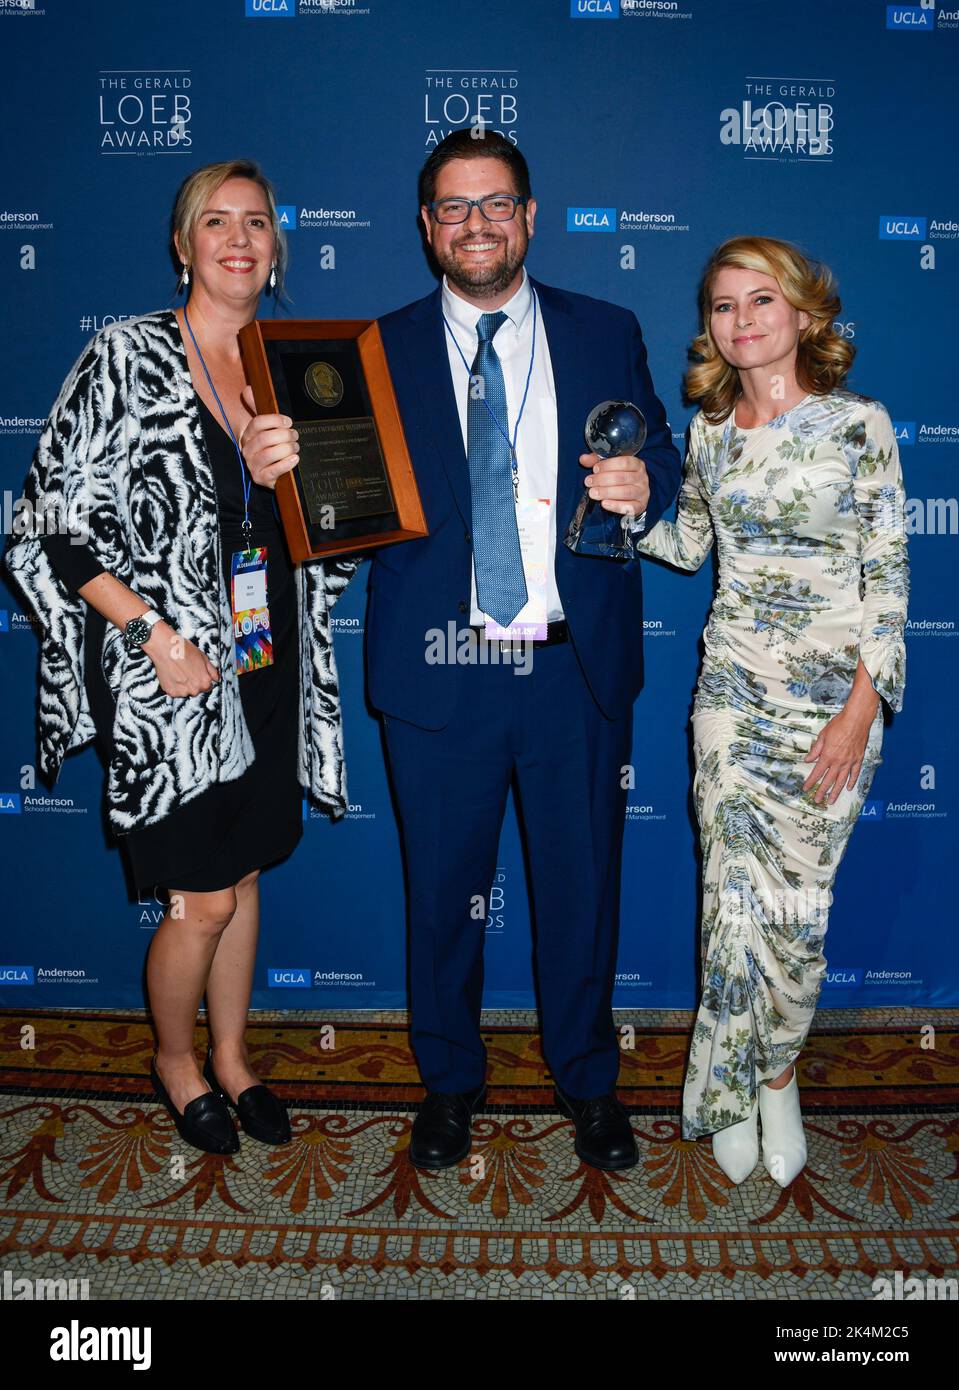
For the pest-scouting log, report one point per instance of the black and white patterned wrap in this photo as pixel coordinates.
(123, 452)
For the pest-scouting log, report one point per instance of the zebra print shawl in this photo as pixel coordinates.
(123, 454)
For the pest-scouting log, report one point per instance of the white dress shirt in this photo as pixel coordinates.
(537, 442)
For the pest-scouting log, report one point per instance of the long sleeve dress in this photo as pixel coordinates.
(807, 513)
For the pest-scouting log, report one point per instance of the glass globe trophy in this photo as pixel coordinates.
(612, 428)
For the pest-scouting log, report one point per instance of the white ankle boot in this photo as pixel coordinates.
(736, 1148)
(784, 1143)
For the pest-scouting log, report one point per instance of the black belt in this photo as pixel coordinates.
(555, 633)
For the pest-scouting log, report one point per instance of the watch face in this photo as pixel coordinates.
(136, 632)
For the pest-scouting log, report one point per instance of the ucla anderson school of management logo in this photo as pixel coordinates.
(290, 9)
(629, 9)
(925, 17)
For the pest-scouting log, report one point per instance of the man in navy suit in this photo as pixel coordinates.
(495, 375)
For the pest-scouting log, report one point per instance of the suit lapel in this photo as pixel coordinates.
(565, 355)
(429, 365)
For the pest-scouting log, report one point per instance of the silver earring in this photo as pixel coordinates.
(184, 279)
(273, 278)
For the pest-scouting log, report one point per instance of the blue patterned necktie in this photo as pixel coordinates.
(500, 583)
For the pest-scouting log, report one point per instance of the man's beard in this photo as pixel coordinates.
(485, 280)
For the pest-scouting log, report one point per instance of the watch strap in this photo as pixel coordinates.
(151, 617)
(143, 624)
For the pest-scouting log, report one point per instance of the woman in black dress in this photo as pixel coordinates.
(236, 800)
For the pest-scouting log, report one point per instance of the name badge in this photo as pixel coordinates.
(529, 625)
(252, 634)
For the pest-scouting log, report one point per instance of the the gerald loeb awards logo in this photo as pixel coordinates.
(145, 112)
(483, 99)
(788, 119)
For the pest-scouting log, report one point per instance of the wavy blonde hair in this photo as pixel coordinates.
(198, 188)
(823, 358)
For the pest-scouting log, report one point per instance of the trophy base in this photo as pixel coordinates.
(595, 531)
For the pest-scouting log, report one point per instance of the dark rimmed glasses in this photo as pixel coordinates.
(498, 207)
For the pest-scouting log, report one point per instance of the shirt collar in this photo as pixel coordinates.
(466, 316)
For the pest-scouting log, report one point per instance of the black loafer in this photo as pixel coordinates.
(205, 1123)
(604, 1136)
(262, 1114)
(441, 1130)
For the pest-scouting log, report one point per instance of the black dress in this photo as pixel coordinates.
(234, 827)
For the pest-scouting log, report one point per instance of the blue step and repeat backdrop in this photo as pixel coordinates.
(654, 129)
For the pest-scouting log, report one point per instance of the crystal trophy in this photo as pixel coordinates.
(613, 428)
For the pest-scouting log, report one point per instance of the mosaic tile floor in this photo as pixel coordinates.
(95, 1184)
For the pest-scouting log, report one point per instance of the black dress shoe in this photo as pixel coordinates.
(604, 1136)
(205, 1123)
(441, 1130)
(262, 1114)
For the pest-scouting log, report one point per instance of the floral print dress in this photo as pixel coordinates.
(807, 513)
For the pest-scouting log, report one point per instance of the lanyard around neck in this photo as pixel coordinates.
(511, 444)
(244, 474)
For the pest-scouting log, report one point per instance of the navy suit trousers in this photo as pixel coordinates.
(543, 734)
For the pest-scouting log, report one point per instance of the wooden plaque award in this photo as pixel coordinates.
(354, 487)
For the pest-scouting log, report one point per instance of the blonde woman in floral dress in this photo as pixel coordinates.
(797, 482)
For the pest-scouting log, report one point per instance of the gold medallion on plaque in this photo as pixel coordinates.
(323, 384)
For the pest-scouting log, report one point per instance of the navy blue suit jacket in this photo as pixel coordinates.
(597, 354)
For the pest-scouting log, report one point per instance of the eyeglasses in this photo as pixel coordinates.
(498, 207)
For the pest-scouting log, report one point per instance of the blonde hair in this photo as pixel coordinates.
(196, 191)
(823, 358)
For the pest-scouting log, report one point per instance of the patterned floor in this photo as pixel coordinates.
(95, 1184)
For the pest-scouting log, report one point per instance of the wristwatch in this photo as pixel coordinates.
(137, 630)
